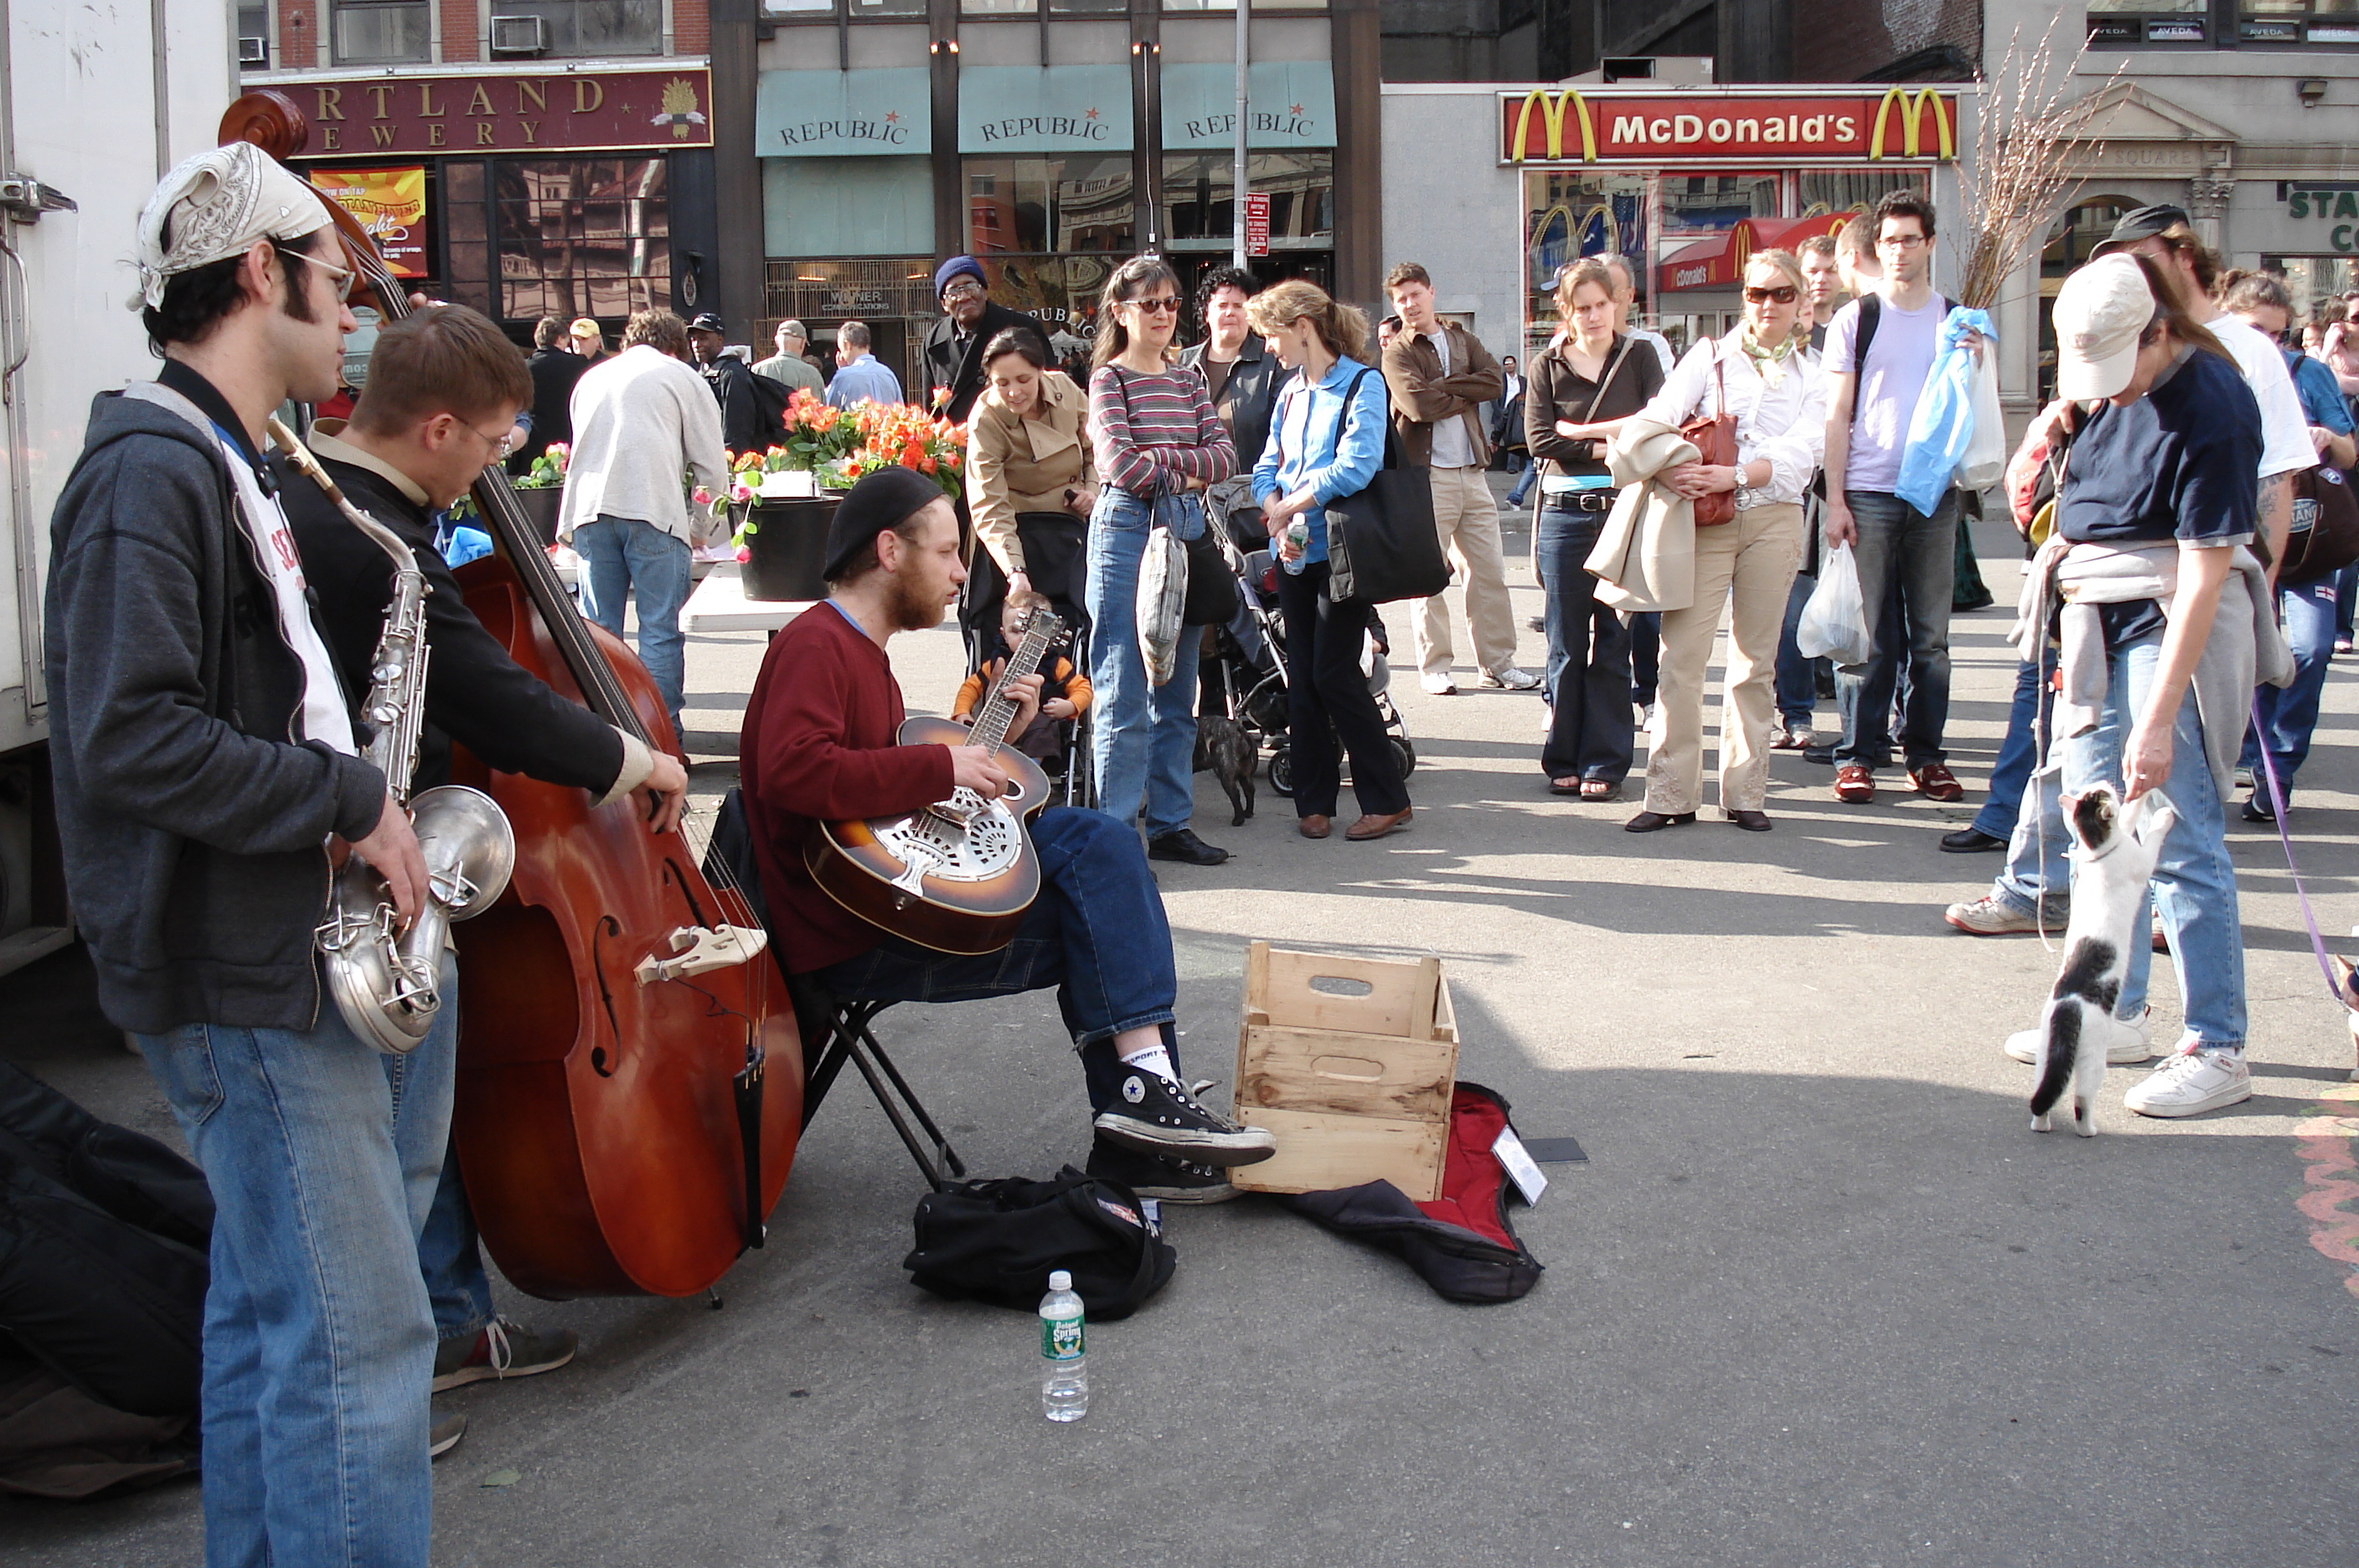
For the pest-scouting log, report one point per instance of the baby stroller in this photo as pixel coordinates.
(1249, 654)
(1055, 557)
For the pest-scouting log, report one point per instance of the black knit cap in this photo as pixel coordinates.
(881, 500)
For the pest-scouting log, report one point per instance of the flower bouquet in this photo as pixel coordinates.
(547, 469)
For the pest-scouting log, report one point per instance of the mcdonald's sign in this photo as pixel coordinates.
(1610, 126)
(1913, 109)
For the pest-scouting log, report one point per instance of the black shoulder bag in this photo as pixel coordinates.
(997, 1241)
(1381, 544)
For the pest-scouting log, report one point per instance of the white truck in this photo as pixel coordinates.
(98, 98)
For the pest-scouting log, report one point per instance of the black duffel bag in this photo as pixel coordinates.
(997, 1241)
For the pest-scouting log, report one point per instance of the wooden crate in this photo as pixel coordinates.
(1356, 1088)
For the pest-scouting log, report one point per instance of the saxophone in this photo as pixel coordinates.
(387, 983)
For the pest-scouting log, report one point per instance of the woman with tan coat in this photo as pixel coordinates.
(1028, 469)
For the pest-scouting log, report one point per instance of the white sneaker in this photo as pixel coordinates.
(1438, 683)
(2125, 1044)
(2190, 1083)
(1511, 679)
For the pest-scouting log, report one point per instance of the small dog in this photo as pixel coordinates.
(2114, 850)
(2349, 991)
(1223, 746)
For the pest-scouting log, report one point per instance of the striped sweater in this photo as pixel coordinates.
(1155, 433)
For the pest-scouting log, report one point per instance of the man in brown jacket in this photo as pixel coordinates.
(1439, 374)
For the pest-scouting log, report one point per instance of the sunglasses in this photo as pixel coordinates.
(1155, 305)
(1784, 293)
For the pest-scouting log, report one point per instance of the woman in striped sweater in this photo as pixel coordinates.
(1158, 442)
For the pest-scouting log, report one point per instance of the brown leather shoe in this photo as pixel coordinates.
(1313, 826)
(1373, 825)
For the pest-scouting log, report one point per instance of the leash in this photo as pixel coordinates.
(2277, 805)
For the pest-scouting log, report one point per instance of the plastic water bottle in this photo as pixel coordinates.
(1298, 534)
(1065, 1376)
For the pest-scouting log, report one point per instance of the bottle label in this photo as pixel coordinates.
(1060, 1338)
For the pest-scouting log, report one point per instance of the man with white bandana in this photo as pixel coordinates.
(206, 784)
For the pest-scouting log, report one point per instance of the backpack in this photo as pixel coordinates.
(997, 1241)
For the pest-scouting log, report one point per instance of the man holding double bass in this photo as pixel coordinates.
(434, 410)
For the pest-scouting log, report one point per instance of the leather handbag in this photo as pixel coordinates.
(2325, 534)
(1381, 543)
(1715, 442)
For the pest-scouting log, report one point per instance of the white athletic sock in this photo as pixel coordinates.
(1155, 1059)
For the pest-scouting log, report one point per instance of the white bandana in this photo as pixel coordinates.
(215, 204)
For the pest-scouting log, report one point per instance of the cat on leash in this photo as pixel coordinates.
(2114, 851)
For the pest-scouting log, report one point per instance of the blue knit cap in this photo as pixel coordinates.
(953, 267)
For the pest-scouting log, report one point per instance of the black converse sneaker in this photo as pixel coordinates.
(1159, 1176)
(1156, 1115)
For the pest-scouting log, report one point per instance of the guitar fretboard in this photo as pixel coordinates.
(999, 708)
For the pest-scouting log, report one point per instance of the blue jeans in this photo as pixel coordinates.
(1143, 736)
(2346, 600)
(1798, 678)
(621, 556)
(450, 1257)
(2024, 808)
(1588, 674)
(2290, 713)
(1901, 552)
(1097, 933)
(322, 1156)
(2194, 885)
(1522, 488)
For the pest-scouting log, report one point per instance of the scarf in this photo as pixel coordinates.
(1768, 363)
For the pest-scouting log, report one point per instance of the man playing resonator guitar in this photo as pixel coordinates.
(819, 747)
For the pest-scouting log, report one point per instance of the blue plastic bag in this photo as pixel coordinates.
(1943, 424)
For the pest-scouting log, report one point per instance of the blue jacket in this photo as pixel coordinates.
(1312, 441)
(2320, 393)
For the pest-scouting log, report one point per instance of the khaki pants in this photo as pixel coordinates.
(1747, 566)
(1468, 521)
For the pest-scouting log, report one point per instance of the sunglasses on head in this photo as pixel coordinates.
(1784, 293)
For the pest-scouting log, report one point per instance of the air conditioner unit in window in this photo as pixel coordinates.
(254, 51)
(519, 35)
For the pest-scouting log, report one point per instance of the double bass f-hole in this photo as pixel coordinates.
(603, 1060)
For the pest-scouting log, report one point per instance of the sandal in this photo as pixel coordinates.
(1600, 789)
(1565, 786)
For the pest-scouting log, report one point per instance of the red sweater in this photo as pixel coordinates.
(817, 747)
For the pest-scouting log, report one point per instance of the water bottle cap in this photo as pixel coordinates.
(1061, 1280)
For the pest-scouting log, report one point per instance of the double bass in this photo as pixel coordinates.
(630, 1080)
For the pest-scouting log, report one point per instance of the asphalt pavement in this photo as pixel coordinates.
(1818, 1297)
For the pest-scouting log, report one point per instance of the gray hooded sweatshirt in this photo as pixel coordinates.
(194, 826)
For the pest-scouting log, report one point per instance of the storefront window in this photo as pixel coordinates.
(366, 34)
(582, 236)
(1826, 191)
(847, 206)
(2129, 23)
(1568, 217)
(1258, 5)
(1198, 198)
(2312, 281)
(466, 235)
(1069, 202)
(894, 297)
(2298, 21)
(1000, 7)
(1710, 203)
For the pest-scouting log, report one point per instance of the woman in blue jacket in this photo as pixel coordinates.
(1326, 440)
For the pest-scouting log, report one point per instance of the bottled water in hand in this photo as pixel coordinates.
(1065, 1371)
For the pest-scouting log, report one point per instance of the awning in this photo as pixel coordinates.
(1719, 262)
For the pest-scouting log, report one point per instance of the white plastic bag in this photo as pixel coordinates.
(1162, 598)
(1985, 462)
(1834, 622)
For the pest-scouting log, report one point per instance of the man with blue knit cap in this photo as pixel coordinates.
(954, 345)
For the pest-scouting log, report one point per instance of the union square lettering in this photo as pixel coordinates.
(1085, 127)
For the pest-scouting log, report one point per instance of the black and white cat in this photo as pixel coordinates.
(2114, 850)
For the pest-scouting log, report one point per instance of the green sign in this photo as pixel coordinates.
(1288, 104)
(844, 114)
(1051, 108)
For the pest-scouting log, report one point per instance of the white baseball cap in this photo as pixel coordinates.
(2101, 312)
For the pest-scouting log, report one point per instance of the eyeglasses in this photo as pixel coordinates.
(1902, 242)
(1783, 293)
(501, 445)
(340, 276)
(1155, 305)
(960, 290)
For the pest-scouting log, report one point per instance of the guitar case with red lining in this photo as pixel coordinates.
(1461, 1244)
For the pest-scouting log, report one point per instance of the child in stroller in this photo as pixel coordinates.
(1064, 697)
(1246, 676)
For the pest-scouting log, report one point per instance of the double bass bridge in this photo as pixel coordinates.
(700, 950)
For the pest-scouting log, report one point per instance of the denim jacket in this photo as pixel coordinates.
(1315, 441)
